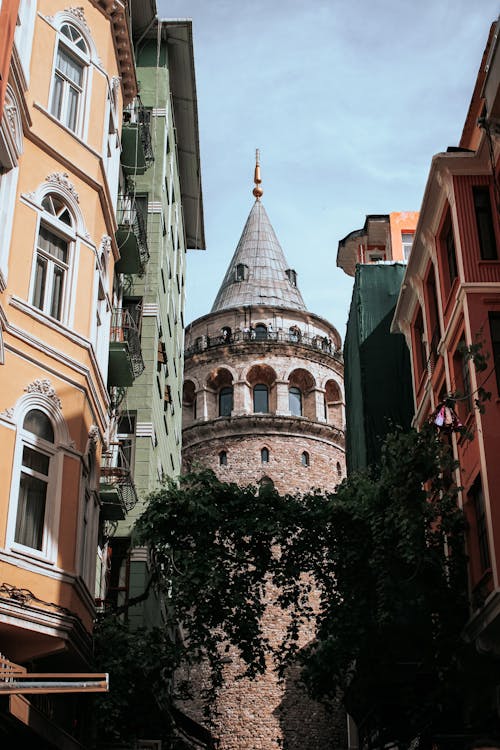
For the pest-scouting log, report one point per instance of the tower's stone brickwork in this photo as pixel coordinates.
(263, 401)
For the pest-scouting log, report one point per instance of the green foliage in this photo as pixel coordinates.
(384, 555)
(394, 589)
(475, 353)
(213, 542)
(140, 664)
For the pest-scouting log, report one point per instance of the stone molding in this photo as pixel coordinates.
(261, 424)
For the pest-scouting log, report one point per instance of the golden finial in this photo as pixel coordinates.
(257, 191)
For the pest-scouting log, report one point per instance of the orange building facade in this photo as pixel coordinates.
(70, 75)
(450, 300)
(8, 20)
(383, 237)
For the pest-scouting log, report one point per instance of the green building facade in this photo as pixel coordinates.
(377, 375)
(168, 220)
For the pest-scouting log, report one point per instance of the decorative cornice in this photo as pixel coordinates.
(79, 14)
(105, 246)
(94, 435)
(44, 387)
(255, 424)
(62, 180)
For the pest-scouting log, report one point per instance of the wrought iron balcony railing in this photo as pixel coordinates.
(125, 355)
(118, 492)
(319, 343)
(131, 235)
(144, 119)
(137, 148)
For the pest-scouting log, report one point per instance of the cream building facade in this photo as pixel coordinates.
(71, 75)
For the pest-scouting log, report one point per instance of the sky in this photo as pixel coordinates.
(347, 100)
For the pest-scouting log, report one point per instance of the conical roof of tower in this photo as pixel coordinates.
(257, 273)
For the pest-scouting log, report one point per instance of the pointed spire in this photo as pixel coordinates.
(258, 273)
(257, 191)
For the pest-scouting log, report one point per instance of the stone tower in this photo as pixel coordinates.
(263, 402)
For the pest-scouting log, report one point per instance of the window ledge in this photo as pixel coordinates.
(17, 554)
(67, 130)
(48, 321)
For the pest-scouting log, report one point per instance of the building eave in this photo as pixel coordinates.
(178, 33)
(117, 12)
(491, 88)
(444, 167)
(347, 247)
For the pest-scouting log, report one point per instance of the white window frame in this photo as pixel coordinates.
(102, 317)
(83, 59)
(406, 246)
(48, 552)
(8, 187)
(68, 234)
(88, 522)
(23, 37)
(111, 140)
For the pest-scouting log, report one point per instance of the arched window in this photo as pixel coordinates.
(226, 401)
(223, 458)
(304, 459)
(339, 469)
(264, 455)
(36, 479)
(241, 272)
(295, 401)
(49, 291)
(266, 482)
(69, 77)
(261, 399)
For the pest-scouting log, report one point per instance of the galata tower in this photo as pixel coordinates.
(263, 402)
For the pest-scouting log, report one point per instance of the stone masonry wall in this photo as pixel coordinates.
(285, 468)
(305, 452)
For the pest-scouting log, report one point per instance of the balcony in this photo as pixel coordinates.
(117, 490)
(318, 343)
(125, 355)
(137, 152)
(131, 236)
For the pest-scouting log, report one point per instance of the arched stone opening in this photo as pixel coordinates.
(333, 404)
(189, 412)
(262, 382)
(219, 393)
(301, 394)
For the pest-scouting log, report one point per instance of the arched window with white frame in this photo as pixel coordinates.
(36, 484)
(36, 475)
(52, 263)
(70, 77)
